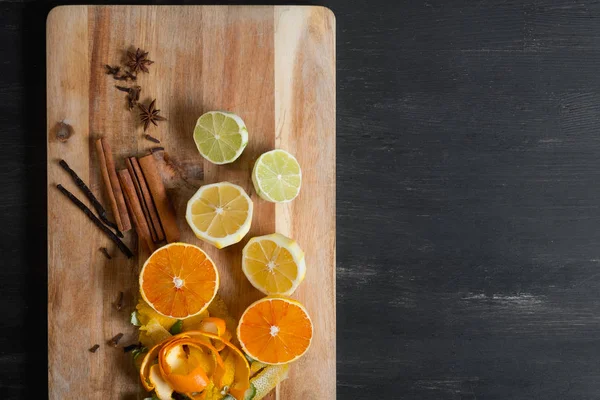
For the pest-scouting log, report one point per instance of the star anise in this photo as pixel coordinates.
(138, 61)
(150, 114)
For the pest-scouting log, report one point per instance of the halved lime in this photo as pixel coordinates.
(277, 176)
(220, 136)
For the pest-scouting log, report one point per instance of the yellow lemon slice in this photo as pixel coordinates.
(274, 264)
(220, 214)
(277, 176)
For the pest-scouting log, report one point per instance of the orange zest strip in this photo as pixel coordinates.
(197, 379)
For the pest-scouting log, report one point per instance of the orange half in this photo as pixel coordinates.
(179, 280)
(275, 330)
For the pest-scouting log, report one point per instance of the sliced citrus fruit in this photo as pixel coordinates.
(277, 176)
(179, 280)
(220, 136)
(268, 378)
(275, 330)
(274, 264)
(220, 214)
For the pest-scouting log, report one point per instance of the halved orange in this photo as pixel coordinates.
(179, 280)
(275, 330)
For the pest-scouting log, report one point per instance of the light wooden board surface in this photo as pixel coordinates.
(275, 67)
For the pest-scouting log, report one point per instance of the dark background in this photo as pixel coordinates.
(468, 199)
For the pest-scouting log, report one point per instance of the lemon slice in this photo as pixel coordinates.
(274, 264)
(220, 214)
(220, 136)
(277, 176)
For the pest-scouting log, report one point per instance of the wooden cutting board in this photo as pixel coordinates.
(275, 67)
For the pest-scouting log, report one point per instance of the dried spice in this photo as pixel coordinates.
(129, 75)
(122, 88)
(133, 94)
(151, 138)
(135, 208)
(132, 347)
(138, 61)
(119, 75)
(104, 251)
(156, 149)
(164, 208)
(119, 303)
(88, 193)
(150, 114)
(115, 340)
(112, 70)
(94, 348)
(126, 76)
(146, 201)
(111, 181)
(179, 396)
(122, 246)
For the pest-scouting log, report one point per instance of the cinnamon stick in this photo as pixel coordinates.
(159, 195)
(137, 215)
(111, 181)
(146, 201)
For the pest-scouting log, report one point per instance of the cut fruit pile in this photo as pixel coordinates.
(185, 324)
(200, 362)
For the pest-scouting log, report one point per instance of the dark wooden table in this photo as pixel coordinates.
(468, 199)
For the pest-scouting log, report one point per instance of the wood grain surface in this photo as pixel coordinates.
(275, 67)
